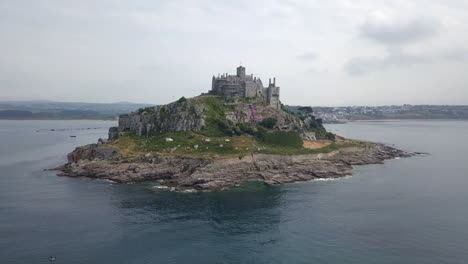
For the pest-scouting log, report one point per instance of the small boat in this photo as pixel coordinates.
(73, 136)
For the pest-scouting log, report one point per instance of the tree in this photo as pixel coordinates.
(269, 122)
(182, 100)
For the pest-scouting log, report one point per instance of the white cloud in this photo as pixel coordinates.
(397, 58)
(390, 29)
(137, 51)
(306, 57)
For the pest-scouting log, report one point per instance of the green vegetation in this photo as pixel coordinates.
(163, 114)
(315, 123)
(222, 138)
(269, 122)
(195, 145)
(182, 100)
(288, 139)
(218, 126)
(187, 144)
(146, 109)
(305, 113)
(216, 123)
(247, 129)
(322, 134)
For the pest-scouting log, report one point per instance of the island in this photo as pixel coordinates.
(238, 131)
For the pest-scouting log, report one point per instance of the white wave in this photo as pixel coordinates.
(330, 179)
(189, 191)
(160, 187)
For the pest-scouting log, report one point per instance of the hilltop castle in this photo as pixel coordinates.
(246, 86)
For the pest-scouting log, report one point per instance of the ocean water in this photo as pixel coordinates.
(405, 211)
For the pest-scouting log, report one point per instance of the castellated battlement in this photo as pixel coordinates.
(245, 86)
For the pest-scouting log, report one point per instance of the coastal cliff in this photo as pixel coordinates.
(211, 143)
(182, 173)
(211, 116)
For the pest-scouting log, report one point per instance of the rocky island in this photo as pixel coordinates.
(238, 131)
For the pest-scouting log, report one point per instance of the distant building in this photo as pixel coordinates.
(246, 86)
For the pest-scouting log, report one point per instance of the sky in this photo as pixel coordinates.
(327, 53)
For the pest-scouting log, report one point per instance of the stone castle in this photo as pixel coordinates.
(246, 86)
(183, 115)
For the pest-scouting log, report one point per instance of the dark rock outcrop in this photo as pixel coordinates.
(188, 173)
(174, 117)
(91, 152)
(243, 113)
(191, 115)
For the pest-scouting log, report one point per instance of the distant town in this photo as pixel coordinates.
(353, 113)
(65, 110)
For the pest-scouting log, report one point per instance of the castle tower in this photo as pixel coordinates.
(241, 72)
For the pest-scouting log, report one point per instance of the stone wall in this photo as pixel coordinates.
(273, 97)
(242, 85)
(250, 89)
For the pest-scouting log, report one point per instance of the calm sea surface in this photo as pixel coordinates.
(406, 211)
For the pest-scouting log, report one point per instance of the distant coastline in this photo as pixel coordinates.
(60, 119)
(49, 110)
(391, 112)
(404, 119)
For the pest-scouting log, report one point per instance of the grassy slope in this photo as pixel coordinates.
(237, 146)
(215, 110)
(195, 144)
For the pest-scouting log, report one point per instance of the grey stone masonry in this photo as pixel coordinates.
(245, 86)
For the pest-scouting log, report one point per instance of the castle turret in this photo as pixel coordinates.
(241, 72)
(246, 86)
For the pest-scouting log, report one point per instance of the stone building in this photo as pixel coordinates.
(245, 86)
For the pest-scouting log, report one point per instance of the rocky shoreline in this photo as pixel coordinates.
(181, 174)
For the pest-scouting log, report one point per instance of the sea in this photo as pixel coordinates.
(409, 210)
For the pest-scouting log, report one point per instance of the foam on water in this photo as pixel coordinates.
(330, 179)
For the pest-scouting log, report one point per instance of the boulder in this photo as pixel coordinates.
(91, 152)
(216, 174)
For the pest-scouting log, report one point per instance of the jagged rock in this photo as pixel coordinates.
(189, 115)
(243, 113)
(91, 152)
(113, 133)
(205, 175)
(173, 117)
(225, 113)
(102, 141)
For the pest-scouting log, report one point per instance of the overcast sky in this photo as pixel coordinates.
(334, 52)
